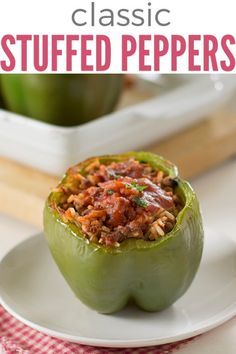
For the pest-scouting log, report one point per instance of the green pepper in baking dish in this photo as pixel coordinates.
(152, 273)
(61, 99)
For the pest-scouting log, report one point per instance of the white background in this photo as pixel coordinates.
(54, 17)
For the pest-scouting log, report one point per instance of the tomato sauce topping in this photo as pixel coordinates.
(121, 200)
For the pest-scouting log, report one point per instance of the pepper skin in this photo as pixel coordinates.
(61, 99)
(152, 274)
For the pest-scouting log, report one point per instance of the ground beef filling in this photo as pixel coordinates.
(122, 200)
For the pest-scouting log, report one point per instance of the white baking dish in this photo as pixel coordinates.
(52, 149)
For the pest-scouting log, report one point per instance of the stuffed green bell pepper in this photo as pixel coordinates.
(61, 99)
(125, 228)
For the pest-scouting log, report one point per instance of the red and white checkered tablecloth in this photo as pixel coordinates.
(17, 338)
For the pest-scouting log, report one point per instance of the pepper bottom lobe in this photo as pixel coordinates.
(152, 274)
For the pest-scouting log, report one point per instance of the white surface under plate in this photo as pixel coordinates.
(52, 148)
(33, 290)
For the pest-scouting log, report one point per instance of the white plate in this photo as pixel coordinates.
(33, 291)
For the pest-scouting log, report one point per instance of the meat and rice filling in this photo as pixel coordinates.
(122, 200)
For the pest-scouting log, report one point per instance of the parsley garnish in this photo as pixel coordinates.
(140, 202)
(114, 175)
(110, 192)
(136, 186)
(117, 176)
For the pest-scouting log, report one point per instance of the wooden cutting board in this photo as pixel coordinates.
(200, 147)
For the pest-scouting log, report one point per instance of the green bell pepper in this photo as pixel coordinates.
(152, 274)
(61, 99)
